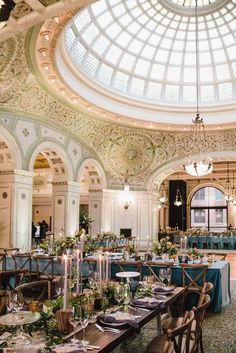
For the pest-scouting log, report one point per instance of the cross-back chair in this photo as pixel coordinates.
(193, 276)
(10, 251)
(154, 268)
(22, 261)
(2, 260)
(218, 256)
(196, 330)
(34, 291)
(44, 269)
(9, 279)
(176, 340)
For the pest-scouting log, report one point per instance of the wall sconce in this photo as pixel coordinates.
(126, 204)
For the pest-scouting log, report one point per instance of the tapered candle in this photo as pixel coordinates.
(107, 266)
(65, 260)
(100, 272)
(78, 271)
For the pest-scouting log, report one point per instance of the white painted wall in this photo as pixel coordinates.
(109, 213)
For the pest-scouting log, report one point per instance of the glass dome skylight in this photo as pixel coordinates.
(146, 51)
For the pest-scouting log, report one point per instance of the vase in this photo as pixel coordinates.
(165, 257)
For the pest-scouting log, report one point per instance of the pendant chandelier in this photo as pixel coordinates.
(228, 195)
(178, 198)
(200, 166)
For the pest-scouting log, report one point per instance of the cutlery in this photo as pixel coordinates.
(107, 329)
(89, 346)
(138, 308)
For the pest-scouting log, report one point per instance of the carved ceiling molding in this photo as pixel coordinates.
(28, 13)
(125, 152)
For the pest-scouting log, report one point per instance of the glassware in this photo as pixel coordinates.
(168, 275)
(83, 320)
(75, 320)
(126, 294)
(119, 293)
(9, 301)
(162, 274)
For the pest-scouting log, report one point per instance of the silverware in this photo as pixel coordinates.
(107, 329)
(89, 346)
(138, 308)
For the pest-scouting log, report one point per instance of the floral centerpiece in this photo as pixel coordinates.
(106, 236)
(164, 246)
(65, 243)
(194, 253)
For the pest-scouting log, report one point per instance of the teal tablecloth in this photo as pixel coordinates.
(209, 242)
(218, 274)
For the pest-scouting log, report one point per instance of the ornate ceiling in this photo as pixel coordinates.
(125, 150)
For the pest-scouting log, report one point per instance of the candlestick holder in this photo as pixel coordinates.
(63, 318)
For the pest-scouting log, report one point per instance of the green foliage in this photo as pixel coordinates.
(164, 246)
(84, 220)
(106, 236)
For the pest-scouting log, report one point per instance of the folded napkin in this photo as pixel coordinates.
(148, 303)
(120, 317)
(164, 289)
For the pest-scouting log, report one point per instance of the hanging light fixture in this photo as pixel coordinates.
(201, 166)
(178, 196)
(163, 194)
(228, 196)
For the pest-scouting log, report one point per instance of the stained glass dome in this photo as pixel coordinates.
(145, 50)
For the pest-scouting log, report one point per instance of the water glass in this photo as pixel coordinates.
(168, 275)
(162, 274)
(74, 322)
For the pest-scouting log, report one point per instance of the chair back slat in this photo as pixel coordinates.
(180, 336)
(152, 266)
(36, 290)
(9, 279)
(197, 278)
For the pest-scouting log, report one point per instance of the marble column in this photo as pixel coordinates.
(65, 207)
(16, 208)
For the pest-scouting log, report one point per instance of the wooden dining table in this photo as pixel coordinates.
(107, 341)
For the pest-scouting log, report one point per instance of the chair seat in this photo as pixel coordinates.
(171, 323)
(157, 344)
(160, 344)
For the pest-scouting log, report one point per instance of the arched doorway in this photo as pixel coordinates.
(92, 182)
(51, 183)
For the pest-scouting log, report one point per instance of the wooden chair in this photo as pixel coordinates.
(176, 340)
(195, 281)
(219, 256)
(45, 270)
(10, 279)
(22, 261)
(35, 291)
(10, 251)
(2, 260)
(196, 331)
(152, 266)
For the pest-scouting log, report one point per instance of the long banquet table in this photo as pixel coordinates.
(210, 241)
(107, 341)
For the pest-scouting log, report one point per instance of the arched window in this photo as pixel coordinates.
(209, 209)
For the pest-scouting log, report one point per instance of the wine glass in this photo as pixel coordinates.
(119, 294)
(9, 301)
(84, 320)
(168, 275)
(162, 274)
(74, 321)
